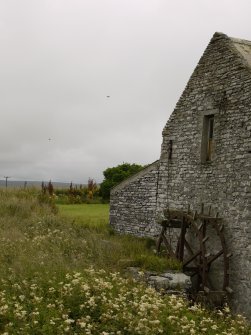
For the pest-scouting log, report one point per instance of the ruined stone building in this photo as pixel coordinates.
(205, 158)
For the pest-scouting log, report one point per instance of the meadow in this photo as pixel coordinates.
(63, 272)
(89, 216)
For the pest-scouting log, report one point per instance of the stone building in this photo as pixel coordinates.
(205, 158)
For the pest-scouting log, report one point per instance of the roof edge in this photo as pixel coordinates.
(233, 41)
(135, 176)
(240, 41)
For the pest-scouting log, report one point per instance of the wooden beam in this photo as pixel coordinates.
(182, 241)
(189, 260)
(213, 258)
(168, 247)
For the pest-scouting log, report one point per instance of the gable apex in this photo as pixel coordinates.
(241, 47)
(244, 49)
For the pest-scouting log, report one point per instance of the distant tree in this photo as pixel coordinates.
(115, 175)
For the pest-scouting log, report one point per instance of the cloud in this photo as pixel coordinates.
(60, 60)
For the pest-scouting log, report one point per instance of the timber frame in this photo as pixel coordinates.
(196, 262)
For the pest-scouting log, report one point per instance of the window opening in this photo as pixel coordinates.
(170, 149)
(210, 137)
(207, 146)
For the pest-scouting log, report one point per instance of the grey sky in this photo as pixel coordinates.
(61, 59)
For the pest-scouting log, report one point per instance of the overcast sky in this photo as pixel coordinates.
(60, 59)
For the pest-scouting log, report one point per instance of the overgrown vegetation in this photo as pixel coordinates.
(110, 250)
(75, 194)
(63, 274)
(92, 193)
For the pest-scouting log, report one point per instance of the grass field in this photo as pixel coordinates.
(63, 273)
(95, 216)
(115, 251)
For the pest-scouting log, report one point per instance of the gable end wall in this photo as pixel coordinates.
(133, 203)
(221, 85)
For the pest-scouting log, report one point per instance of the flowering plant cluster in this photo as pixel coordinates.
(97, 302)
(52, 282)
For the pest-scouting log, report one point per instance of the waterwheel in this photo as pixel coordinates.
(197, 241)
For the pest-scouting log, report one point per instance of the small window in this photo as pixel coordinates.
(210, 137)
(207, 138)
(170, 149)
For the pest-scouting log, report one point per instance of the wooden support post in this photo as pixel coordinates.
(168, 247)
(182, 240)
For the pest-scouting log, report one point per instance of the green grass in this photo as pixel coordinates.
(88, 215)
(60, 274)
(116, 252)
(86, 211)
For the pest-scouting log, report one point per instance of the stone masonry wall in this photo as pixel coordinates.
(220, 85)
(133, 203)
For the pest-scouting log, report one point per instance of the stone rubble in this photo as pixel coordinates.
(171, 282)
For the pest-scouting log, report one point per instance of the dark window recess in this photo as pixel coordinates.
(207, 138)
(210, 137)
(170, 149)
